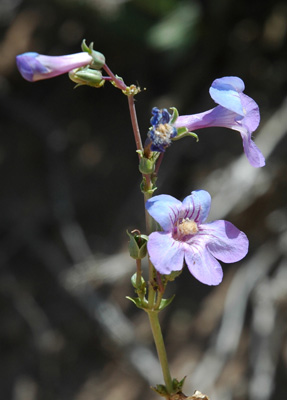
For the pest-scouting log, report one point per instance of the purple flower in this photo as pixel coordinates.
(162, 131)
(186, 237)
(235, 111)
(34, 67)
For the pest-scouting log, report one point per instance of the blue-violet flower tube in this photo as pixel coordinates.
(34, 67)
(185, 236)
(236, 111)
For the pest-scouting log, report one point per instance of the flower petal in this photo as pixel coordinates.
(252, 114)
(224, 241)
(196, 206)
(253, 154)
(166, 254)
(164, 209)
(29, 65)
(34, 66)
(217, 116)
(203, 266)
(222, 117)
(156, 116)
(225, 92)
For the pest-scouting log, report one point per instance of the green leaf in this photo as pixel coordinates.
(177, 385)
(165, 302)
(161, 390)
(134, 282)
(136, 300)
(149, 191)
(174, 274)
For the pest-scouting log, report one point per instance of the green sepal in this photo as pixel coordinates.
(98, 58)
(174, 115)
(174, 274)
(148, 191)
(161, 390)
(183, 132)
(137, 245)
(177, 385)
(142, 284)
(146, 166)
(87, 76)
(176, 388)
(165, 302)
(85, 47)
(136, 300)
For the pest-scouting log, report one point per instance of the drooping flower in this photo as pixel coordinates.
(34, 67)
(185, 236)
(236, 111)
(161, 131)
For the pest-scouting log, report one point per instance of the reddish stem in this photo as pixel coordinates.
(119, 83)
(135, 125)
(158, 164)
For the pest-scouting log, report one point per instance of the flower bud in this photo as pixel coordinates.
(146, 166)
(137, 245)
(34, 67)
(98, 59)
(135, 284)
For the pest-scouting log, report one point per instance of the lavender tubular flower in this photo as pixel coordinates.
(34, 67)
(186, 237)
(236, 111)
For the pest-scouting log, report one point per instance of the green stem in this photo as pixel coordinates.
(151, 291)
(150, 227)
(158, 300)
(150, 222)
(154, 298)
(139, 271)
(160, 347)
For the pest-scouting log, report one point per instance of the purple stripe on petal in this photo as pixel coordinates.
(198, 205)
(164, 209)
(200, 248)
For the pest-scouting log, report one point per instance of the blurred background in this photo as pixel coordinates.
(70, 188)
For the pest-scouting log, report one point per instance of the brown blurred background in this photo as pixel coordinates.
(70, 189)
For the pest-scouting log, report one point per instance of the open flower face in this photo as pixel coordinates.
(34, 67)
(186, 237)
(236, 111)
